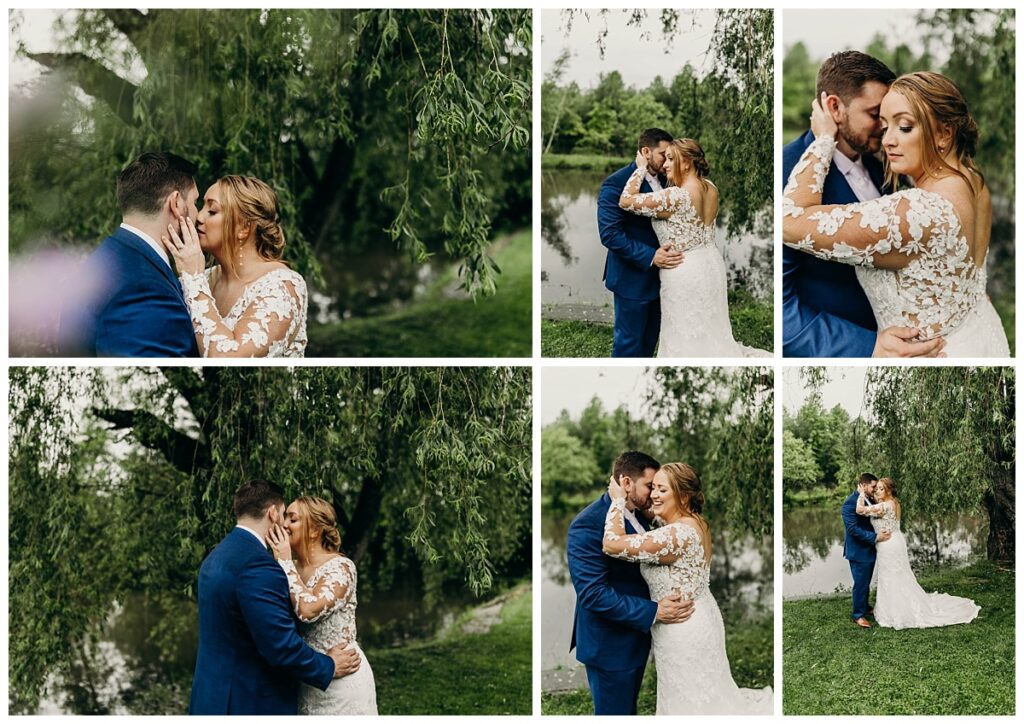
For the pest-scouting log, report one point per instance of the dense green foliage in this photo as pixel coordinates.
(964, 670)
(727, 108)
(406, 130)
(428, 470)
(944, 434)
(719, 420)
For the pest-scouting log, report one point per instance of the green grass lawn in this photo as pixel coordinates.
(444, 326)
(831, 667)
(462, 673)
(582, 162)
(748, 644)
(752, 325)
(818, 495)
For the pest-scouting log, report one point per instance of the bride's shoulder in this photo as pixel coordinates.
(281, 273)
(338, 563)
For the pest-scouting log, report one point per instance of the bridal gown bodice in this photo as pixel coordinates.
(694, 676)
(900, 601)
(326, 608)
(270, 313)
(912, 257)
(694, 295)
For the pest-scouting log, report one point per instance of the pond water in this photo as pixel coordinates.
(572, 258)
(125, 672)
(813, 562)
(741, 581)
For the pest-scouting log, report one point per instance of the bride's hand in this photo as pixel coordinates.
(822, 123)
(641, 161)
(614, 489)
(278, 541)
(185, 249)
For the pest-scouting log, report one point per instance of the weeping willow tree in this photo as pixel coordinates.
(121, 483)
(409, 127)
(721, 421)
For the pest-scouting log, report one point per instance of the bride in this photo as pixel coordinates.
(322, 583)
(900, 601)
(692, 666)
(251, 304)
(694, 295)
(920, 252)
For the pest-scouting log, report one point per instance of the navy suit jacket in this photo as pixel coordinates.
(630, 241)
(859, 543)
(825, 312)
(614, 611)
(136, 309)
(251, 658)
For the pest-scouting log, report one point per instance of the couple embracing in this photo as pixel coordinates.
(656, 217)
(874, 541)
(640, 561)
(277, 635)
(135, 303)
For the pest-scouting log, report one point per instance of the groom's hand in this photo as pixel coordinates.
(346, 660)
(673, 609)
(902, 342)
(666, 258)
(883, 536)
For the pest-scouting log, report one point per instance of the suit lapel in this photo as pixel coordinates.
(137, 245)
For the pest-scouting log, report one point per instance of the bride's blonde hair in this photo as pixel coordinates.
(248, 201)
(321, 522)
(890, 489)
(686, 487)
(690, 150)
(938, 104)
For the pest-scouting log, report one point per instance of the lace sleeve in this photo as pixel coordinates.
(275, 305)
(888, 232)
(661, 545)
(657, 204)
(337, 580)
(866, 508)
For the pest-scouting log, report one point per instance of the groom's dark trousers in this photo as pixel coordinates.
(133, 308)
(628, 271)
(614, 614)
(825, 312)
(859, 550)
(251, 658)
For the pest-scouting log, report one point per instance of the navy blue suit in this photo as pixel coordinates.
(825, 312)
(136, 310)
(859, 550)
(628, 271)
(611, 630)
(251, 658)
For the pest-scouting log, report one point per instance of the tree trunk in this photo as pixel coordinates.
(999, 502)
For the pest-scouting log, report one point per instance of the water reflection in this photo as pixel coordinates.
(741, 581)
(813, 562)
(572, 258)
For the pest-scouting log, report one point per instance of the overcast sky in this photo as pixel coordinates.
(571, 388)
(637, 52)
(828, 31)
(845, 387)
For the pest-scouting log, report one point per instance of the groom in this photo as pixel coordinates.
(859, 548)
(634, 256)
(611, 629)
(136, 308)
(251, 658)
(825, 313)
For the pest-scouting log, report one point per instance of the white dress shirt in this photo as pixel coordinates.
(857, 176)
(631, 517)
(653, 181)
(158, 248)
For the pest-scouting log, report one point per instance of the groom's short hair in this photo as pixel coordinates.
(845, 74)
(651, 137)
(144, 183)
(633, 463)
(255, 496)
(866, 478)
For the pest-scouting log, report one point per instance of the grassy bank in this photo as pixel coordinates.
(749, 645)
(819, 495)
(752, 324)
(582, 162)
(831, 667)
(461, 672)
(446, 325)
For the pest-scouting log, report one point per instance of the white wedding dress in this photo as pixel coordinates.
(912, 257)
(327, 619)
(694, 295)
(900, 602)
(271, 310)
(694, 677)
